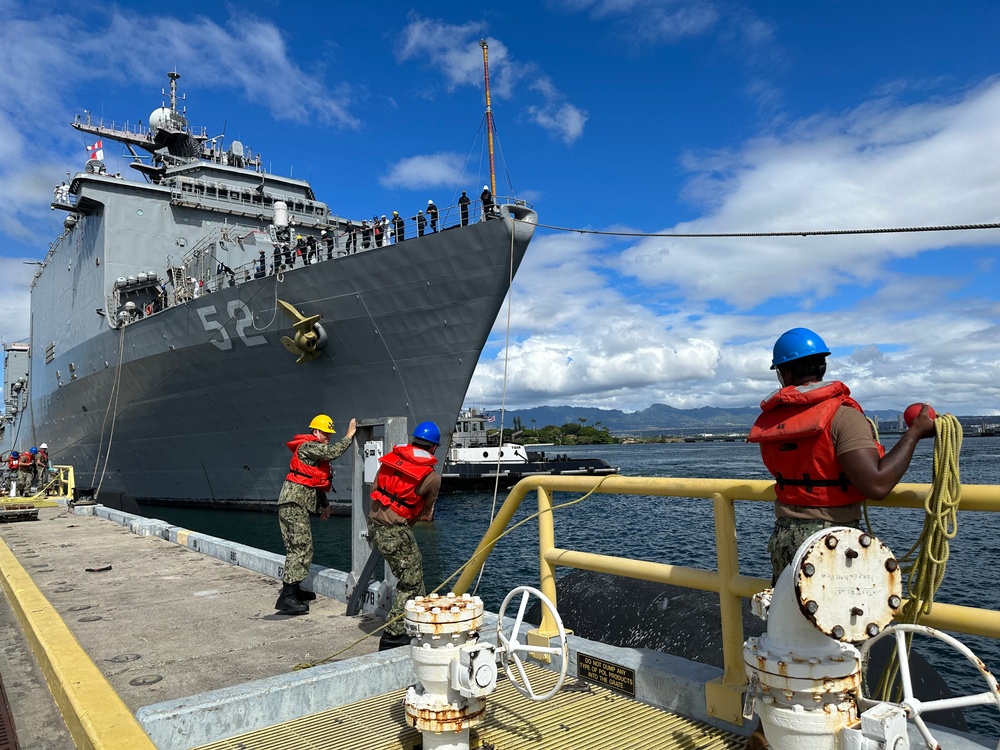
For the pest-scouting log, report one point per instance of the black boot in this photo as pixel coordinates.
(390, 640)
(302, 595)
(288, 603)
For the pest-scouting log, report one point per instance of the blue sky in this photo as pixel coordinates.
(643, 116)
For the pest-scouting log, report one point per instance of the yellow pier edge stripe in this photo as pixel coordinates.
(95, 715)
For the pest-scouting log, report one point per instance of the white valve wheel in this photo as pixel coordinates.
(915, 707)
(511, 648)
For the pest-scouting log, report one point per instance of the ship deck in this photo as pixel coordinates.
(580, 716)
(147, 639)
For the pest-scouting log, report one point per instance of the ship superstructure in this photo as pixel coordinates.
(184, 327)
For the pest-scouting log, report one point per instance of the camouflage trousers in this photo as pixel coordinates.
(296, 533)
(399, 548)
(787, 537)
(24, 480)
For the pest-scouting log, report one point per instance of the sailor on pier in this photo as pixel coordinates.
(304, 493)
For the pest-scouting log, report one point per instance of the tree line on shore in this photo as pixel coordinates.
(571, 433)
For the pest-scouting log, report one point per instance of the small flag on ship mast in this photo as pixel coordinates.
(97, 150)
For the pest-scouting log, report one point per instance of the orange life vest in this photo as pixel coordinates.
(25, 460)
(797, 446)
(12, 463)
(402, 470)
(317, 476)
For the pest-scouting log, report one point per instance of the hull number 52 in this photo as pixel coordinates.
(242, 319)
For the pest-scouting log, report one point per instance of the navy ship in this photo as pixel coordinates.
(185, 325)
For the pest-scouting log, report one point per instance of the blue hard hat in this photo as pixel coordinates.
(796, 344)
(14, 454)
(428, 431)
(33, 450)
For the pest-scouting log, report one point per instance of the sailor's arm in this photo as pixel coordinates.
(317, 451)
(428, 489)
(876, 477)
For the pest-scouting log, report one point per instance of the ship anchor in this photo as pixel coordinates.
(309, 338)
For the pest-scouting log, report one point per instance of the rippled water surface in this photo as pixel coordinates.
(678, 531)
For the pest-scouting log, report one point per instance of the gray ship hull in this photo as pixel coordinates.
(165, 316)
(207, 394)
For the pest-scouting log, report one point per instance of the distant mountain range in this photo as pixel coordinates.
(658, 418)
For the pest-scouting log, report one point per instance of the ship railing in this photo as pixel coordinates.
(245, 200)
(203, 265)
(723, 695)
(449, 217)
(112, 127)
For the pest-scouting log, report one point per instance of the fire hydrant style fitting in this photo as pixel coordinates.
(843, 586)
(454, 671)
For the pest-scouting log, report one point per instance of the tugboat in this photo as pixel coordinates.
(473, 464)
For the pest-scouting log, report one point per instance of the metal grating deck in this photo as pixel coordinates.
(580, 716)
(8, 734)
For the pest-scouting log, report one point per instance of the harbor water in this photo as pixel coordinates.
(678, 531)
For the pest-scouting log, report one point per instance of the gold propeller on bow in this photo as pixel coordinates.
(309, 335)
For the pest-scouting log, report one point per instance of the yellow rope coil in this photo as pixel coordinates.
(924, 565)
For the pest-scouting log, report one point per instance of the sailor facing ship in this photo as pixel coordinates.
(25, 471)
(303, 493)
(405, 490)
(817, 443)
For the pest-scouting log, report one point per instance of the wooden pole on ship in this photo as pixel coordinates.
(489, 115)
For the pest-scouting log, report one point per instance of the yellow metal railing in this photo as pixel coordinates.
(60, 483)
(724, 695)
(66, 482)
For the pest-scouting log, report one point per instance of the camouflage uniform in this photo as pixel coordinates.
(296, 502)
(399, 548)
(392, 536)
(787, 537)
(41, 469)
(25, 475)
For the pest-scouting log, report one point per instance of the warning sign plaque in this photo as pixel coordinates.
(606, 673)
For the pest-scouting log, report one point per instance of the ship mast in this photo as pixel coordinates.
(173, 89)
(489, 115)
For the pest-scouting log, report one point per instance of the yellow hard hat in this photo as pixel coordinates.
(323, 423)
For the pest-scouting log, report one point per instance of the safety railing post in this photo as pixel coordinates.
(546, 541)
(724, 696)
(547, 630)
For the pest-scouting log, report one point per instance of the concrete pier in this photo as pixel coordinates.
(157, 620)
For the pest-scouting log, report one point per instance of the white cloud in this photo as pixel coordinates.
(426, 170)
(564, 120)
(672, 21)
(252, 53)
(246, 53)
(693, 321)
(15, 277)
(455, 50)
(876, 166)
